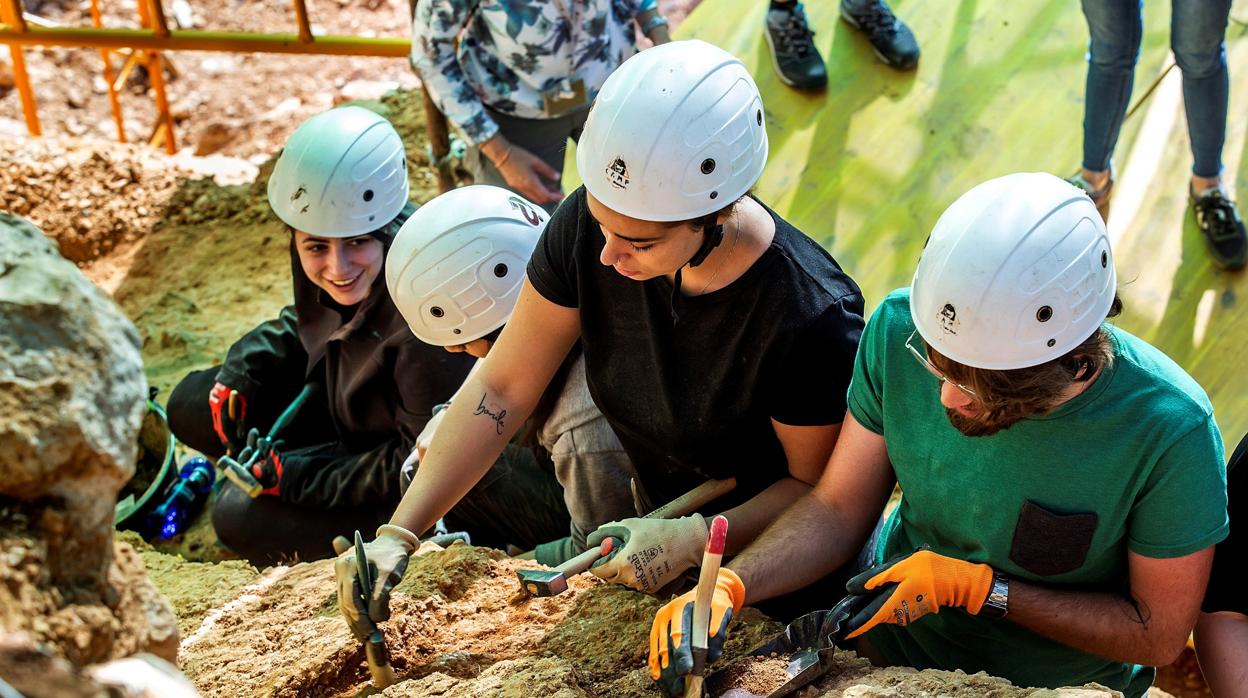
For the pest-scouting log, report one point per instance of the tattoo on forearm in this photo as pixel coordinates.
(496, 416)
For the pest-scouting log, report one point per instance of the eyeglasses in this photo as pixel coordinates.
(931, 368)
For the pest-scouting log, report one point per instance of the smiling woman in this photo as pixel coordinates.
(343, 268)
(341, 187)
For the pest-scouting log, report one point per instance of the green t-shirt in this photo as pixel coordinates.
(1134, 462)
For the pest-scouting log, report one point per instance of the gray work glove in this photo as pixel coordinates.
(387, 561)
(653, 553)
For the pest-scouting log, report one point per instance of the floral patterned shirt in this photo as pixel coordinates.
(505, 53)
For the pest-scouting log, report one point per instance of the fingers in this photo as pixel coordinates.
(718, 636)
(341, 545)
(344, 572)
(540, 166)
(876, 612)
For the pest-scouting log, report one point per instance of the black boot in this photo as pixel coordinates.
(1223, 229)
(891, 39)
(793, 49)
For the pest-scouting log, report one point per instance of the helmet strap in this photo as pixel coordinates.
(712, 235)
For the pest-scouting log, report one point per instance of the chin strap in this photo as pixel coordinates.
(712, 235)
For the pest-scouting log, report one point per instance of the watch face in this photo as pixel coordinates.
(998, 601)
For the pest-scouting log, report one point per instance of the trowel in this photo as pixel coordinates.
(375, 648)
(809, 642)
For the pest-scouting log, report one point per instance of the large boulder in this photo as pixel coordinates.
(72, 395)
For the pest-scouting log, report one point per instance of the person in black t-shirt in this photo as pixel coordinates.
(718, 340)
(1222, 631)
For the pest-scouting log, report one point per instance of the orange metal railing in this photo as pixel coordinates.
(145, 45)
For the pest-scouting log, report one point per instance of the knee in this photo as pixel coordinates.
(1113, 55)
(1199, 62)
(189, 417)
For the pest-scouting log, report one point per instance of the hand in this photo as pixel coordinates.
(671, 643)
(261, 457)
(387, 561)
(651, 553)
(522, 170)
(232, 433)
(915, 585)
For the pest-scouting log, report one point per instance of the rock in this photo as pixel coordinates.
(35, 672)
(75, 98)
(365, 90)
(7, 81)
(72, 391)
(213, 137)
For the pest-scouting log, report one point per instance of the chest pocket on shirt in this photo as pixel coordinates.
(1048, 543)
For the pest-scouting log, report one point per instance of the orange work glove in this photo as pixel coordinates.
(671, 635)
(914, 585)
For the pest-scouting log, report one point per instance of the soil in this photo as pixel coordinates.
(758, 675)
(190, 252)
(194, 589)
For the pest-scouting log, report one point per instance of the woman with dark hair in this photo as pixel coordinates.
(341, 187)
(718, 338)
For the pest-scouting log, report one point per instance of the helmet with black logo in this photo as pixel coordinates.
(1018, 271)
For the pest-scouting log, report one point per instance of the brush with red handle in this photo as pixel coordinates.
(709, 573)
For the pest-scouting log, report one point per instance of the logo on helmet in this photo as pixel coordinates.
(949, 319)
(617, 174)
(523, 207)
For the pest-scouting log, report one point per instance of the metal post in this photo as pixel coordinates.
(11, 10)
(152, 16)
(113, 100)
(301, 16)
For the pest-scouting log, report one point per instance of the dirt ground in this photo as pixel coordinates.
(196, 261)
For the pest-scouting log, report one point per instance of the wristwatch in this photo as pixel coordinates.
(998, 602)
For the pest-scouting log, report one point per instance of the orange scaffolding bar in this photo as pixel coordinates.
(194, 40)
(146, 44)
(11, 13)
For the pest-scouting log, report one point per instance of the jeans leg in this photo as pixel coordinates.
(1197, 35)
(1115, 27)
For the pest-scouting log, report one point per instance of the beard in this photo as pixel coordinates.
(985, 424)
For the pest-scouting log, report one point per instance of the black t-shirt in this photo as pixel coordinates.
(1226, 582)
(694, 398)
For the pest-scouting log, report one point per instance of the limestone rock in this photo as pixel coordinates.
(72, 391)
(72, 395)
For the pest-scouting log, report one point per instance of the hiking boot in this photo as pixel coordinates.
(793, 49)
(1222, 227)
(1100, 197)
(891, 39)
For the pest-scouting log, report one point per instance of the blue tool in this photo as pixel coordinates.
(184, 498)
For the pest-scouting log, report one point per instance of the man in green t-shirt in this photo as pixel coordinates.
(1063, 481)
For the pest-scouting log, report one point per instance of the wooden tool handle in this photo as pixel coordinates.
(707, 577)
(581, 562)
(694, 499)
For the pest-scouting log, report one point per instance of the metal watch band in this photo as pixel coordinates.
(998, 602)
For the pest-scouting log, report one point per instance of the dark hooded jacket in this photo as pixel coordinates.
(380, 384)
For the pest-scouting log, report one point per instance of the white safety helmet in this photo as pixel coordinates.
(342, 173)
(1017, 272)
(676, 132)
(456, 265)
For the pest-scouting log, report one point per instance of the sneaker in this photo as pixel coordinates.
(793, 49)
(891, 39)
(1100, 197)
(1222, 227)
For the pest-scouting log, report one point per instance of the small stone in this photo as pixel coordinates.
(213, 138)
(75, 98)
